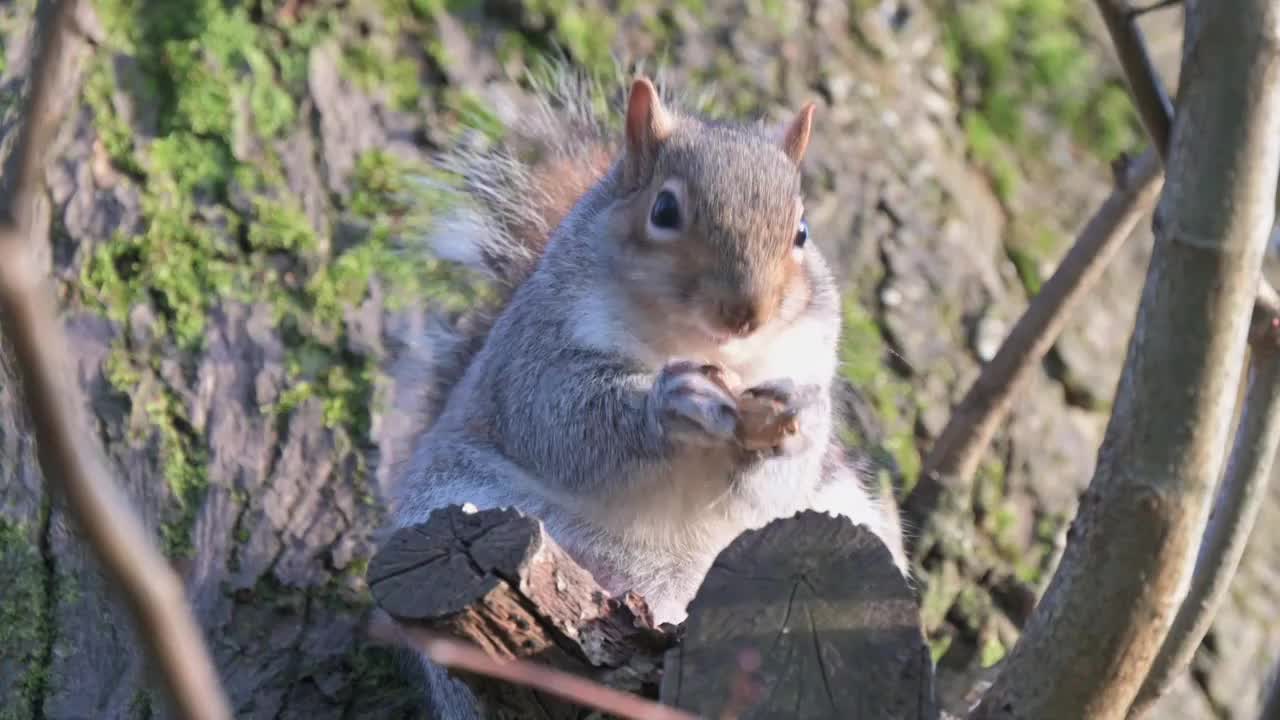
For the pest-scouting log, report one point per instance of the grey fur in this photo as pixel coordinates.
(559, 406)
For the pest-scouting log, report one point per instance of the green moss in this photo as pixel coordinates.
(185, 464)
(1021, 57)
(279, 226)
(116, 137)
(863, 356)
(992, 154)
(1030, 245)
(218, 226)
(473, 113)
(938, 646)
(1028, 268)
(192, 60)
(373, 69)
(24, 620)
(584, 30)
(991, 651)
(943, 585)
(1030, 563)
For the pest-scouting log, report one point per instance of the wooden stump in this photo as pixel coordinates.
(805, 618)
(495, 578)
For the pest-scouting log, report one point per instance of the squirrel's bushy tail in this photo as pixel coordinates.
(505, 198)
(502, 200)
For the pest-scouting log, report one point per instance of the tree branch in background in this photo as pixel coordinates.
(958, 450)
(1090, 643)
(949, 467)
(1239, 498)
(69, 463)
(1149, 96)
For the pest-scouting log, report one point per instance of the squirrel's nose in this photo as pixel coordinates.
(740, 318)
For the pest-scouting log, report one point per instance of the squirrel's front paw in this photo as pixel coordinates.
(769, 416)
(693, 401)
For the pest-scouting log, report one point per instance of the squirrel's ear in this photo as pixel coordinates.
(794, 138)
(648, 122)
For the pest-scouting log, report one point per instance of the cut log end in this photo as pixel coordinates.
(805, 618)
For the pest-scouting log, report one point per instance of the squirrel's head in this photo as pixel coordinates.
(713, 220)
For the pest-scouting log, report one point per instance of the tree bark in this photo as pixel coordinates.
(1238, 500)
(1089, 645)
(496, 579)
(71, 460)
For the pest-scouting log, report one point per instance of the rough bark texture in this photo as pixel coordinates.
(1128, 560)
(1239, 498)
(938, 231)
(496, 579)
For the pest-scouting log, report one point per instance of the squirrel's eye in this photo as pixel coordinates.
(666, 211)
(802, 234)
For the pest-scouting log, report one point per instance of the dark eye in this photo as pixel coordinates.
(802, 234)
(666, 211)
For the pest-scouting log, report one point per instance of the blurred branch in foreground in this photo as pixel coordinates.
(70, 461)
(466, 657)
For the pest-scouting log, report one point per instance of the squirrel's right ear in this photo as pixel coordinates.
(648, 124)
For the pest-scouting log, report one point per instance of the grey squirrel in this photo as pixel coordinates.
(657, 374)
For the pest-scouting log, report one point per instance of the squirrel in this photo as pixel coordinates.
(657, 374)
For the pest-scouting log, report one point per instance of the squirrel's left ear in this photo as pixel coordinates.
(794, 138)
(648, 124)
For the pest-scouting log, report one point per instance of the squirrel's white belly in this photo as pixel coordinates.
(662, 542)
(803, 352)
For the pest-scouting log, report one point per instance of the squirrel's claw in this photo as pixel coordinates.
(693, 400)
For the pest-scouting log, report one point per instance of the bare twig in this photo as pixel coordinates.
(1239, 498)
(1090, 643)
(1149, 95)
(956, 453)
(69, 462)
(452, 653)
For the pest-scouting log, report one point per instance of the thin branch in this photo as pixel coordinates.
(1154, 106)
(1239, 498)
(955, 455)
(1090, 643)
(451, 653)
(70, 463)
